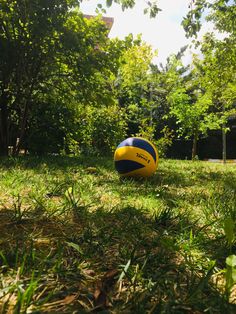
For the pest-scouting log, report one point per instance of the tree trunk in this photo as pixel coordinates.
(194, 147)
(4, 136)
(22, 129)
(25, 114)
(224, 144)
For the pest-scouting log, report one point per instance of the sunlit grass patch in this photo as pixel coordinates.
(74, 237)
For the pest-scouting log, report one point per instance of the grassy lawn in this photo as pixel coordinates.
(74, 238)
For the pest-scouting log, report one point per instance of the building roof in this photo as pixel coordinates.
(107, 20)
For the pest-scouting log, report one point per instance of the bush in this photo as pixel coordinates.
(98, 131)
(164, 142)
(49, 125)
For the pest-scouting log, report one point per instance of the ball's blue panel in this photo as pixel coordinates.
(124, 166)
(137, 142)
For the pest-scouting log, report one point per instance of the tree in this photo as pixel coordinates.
(133, 84)
(219, 56)
(29, 35)
(188, 103)
(81, 117)
(219, 80)
(190, 112)
(46, 44)
(221, 12)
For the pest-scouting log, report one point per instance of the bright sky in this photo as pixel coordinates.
(164, 33)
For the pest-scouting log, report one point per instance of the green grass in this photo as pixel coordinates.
(74, 238)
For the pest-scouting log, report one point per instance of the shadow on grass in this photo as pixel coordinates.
(151, 257)
(54, 162)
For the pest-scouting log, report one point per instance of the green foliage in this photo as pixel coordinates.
(133, 72)
(218, 79)
(29, 54)
(191, 116)
(48, 46)
(61, 77)
(152, 8)
(50, 122)
(25, 295)
(134, 88)
(97, 130)
(230, 274)
(192, 22)
(218, 66)
(230, 230)
(110, 126)
(221, 12)
(164, 142)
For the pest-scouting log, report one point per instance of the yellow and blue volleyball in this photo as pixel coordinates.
(136, 157)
